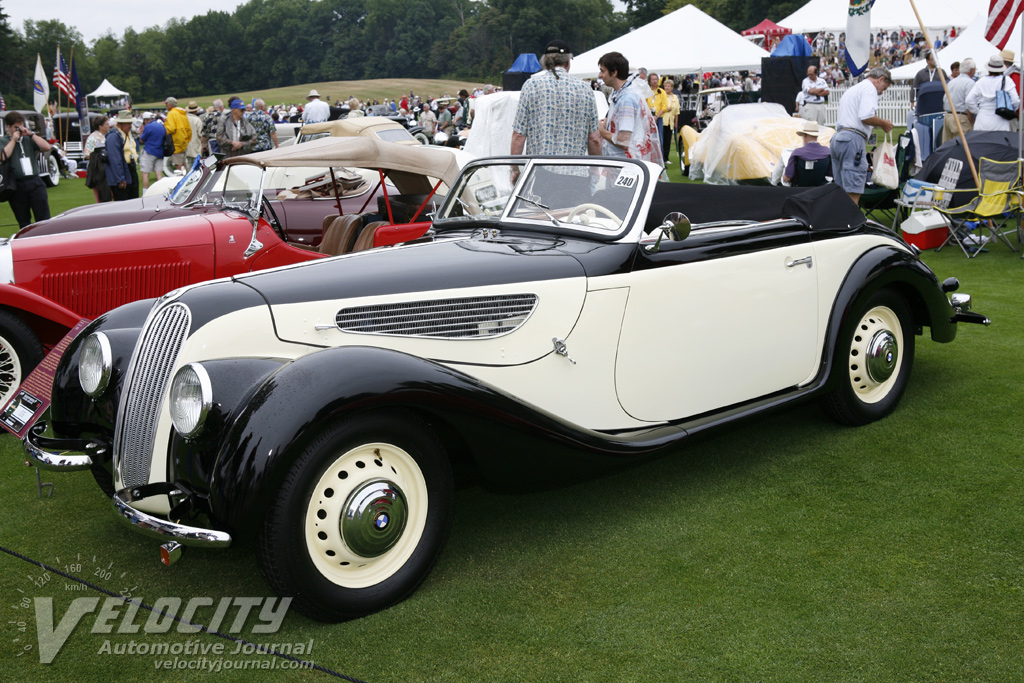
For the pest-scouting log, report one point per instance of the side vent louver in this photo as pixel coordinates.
(92, 292)
(477, 317)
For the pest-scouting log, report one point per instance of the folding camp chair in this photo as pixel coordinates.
(996, 206)
(919, 195)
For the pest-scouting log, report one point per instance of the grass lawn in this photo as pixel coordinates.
(783, 549)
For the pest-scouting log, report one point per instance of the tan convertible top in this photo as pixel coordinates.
(422, 160)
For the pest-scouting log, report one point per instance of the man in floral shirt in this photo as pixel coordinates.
(266, 133)
(557, 114)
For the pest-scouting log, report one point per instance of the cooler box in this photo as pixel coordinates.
(918, 192)
(925, 229)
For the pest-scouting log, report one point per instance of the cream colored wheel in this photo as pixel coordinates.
(360, 517)
(366, 515)
(20, 352)
(874, 360)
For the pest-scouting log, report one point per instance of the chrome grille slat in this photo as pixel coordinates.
(479, 317)
(148, 378)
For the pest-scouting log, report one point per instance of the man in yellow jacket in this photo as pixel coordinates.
(178, 128)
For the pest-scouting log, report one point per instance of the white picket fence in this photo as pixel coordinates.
(893, 104)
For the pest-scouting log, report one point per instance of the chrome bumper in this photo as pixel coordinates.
(164, 529)
(62, 455)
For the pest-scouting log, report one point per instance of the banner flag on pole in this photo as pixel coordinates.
(3, 105)
(79, 99)
(858, 36)
(40, 87)
(1002, 15)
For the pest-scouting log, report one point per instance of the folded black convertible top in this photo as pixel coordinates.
(822, 208)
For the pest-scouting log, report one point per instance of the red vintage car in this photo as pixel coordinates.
(377, 194)
(197, 192)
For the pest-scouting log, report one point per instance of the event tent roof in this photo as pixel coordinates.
(970, 43)
(831, 15)
(766, 28)
(685, 41)
(106, 90)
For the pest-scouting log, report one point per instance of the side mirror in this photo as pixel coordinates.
(676, 226)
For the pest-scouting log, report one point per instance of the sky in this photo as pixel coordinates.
(92, 20)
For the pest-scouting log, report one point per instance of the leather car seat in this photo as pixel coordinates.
(341, 234)
(365, 240)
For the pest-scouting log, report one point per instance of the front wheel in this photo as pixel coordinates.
(873, 361)
(360, 518)
(20, 353)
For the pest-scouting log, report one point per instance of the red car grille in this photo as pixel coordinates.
(92, 292)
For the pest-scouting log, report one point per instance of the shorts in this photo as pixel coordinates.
(178, 159)
(150, 164)
(849, 161)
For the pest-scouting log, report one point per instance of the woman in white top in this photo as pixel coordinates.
(981, 102)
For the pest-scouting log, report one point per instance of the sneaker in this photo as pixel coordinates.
(668, 163)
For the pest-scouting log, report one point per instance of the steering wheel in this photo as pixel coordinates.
(272, 219)
(596, 207)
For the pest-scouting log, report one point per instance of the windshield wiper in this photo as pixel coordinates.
(557, 223)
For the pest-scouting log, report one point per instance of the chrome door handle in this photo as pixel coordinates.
(799, 262)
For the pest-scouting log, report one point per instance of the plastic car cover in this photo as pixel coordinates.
(743, 143)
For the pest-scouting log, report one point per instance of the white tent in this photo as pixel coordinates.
(831, 15)
(970, 43)
(106, 89)
(685, 41)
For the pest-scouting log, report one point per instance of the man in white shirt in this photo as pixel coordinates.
(317, 111)
(959, 89)
(815, 91)
(857, 118)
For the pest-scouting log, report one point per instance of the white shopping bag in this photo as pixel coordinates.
(885, 174)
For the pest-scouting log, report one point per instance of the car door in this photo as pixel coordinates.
(725, 316)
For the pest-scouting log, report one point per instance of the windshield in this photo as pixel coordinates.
(196, 182)
(589, 196)
(241, 185)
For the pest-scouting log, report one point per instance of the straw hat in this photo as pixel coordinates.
(1007, 56)
(810, 128)
(312, 93)
(124, 116)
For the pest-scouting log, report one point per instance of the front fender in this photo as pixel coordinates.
(508, 440)
(21, 301)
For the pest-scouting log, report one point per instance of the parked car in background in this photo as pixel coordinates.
(48, 163)
(381, 127)
(49, 282)
(68, 132)
(565, 316)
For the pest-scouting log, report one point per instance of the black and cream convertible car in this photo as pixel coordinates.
(562, 317)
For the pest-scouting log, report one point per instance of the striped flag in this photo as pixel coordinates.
(1002, 15)
(3, 105)
(62, 77)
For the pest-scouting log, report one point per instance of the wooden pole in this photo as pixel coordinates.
(952, 107)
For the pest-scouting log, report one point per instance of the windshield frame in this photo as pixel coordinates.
(204, 186)
(543, 225)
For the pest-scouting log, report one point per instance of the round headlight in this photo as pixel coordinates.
(191, 399)
(94, 364)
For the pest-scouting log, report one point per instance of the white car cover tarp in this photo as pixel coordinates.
(743, 143)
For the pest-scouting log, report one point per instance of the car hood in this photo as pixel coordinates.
(420, 298)
(100, 215)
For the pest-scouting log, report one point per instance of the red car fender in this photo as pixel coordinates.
(48, 320)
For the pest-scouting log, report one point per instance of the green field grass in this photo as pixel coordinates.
(786, 548)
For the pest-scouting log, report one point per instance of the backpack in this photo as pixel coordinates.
(168, 145)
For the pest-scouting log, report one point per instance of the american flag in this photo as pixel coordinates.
(1002, 15)
(62, 78)
(3, 105)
